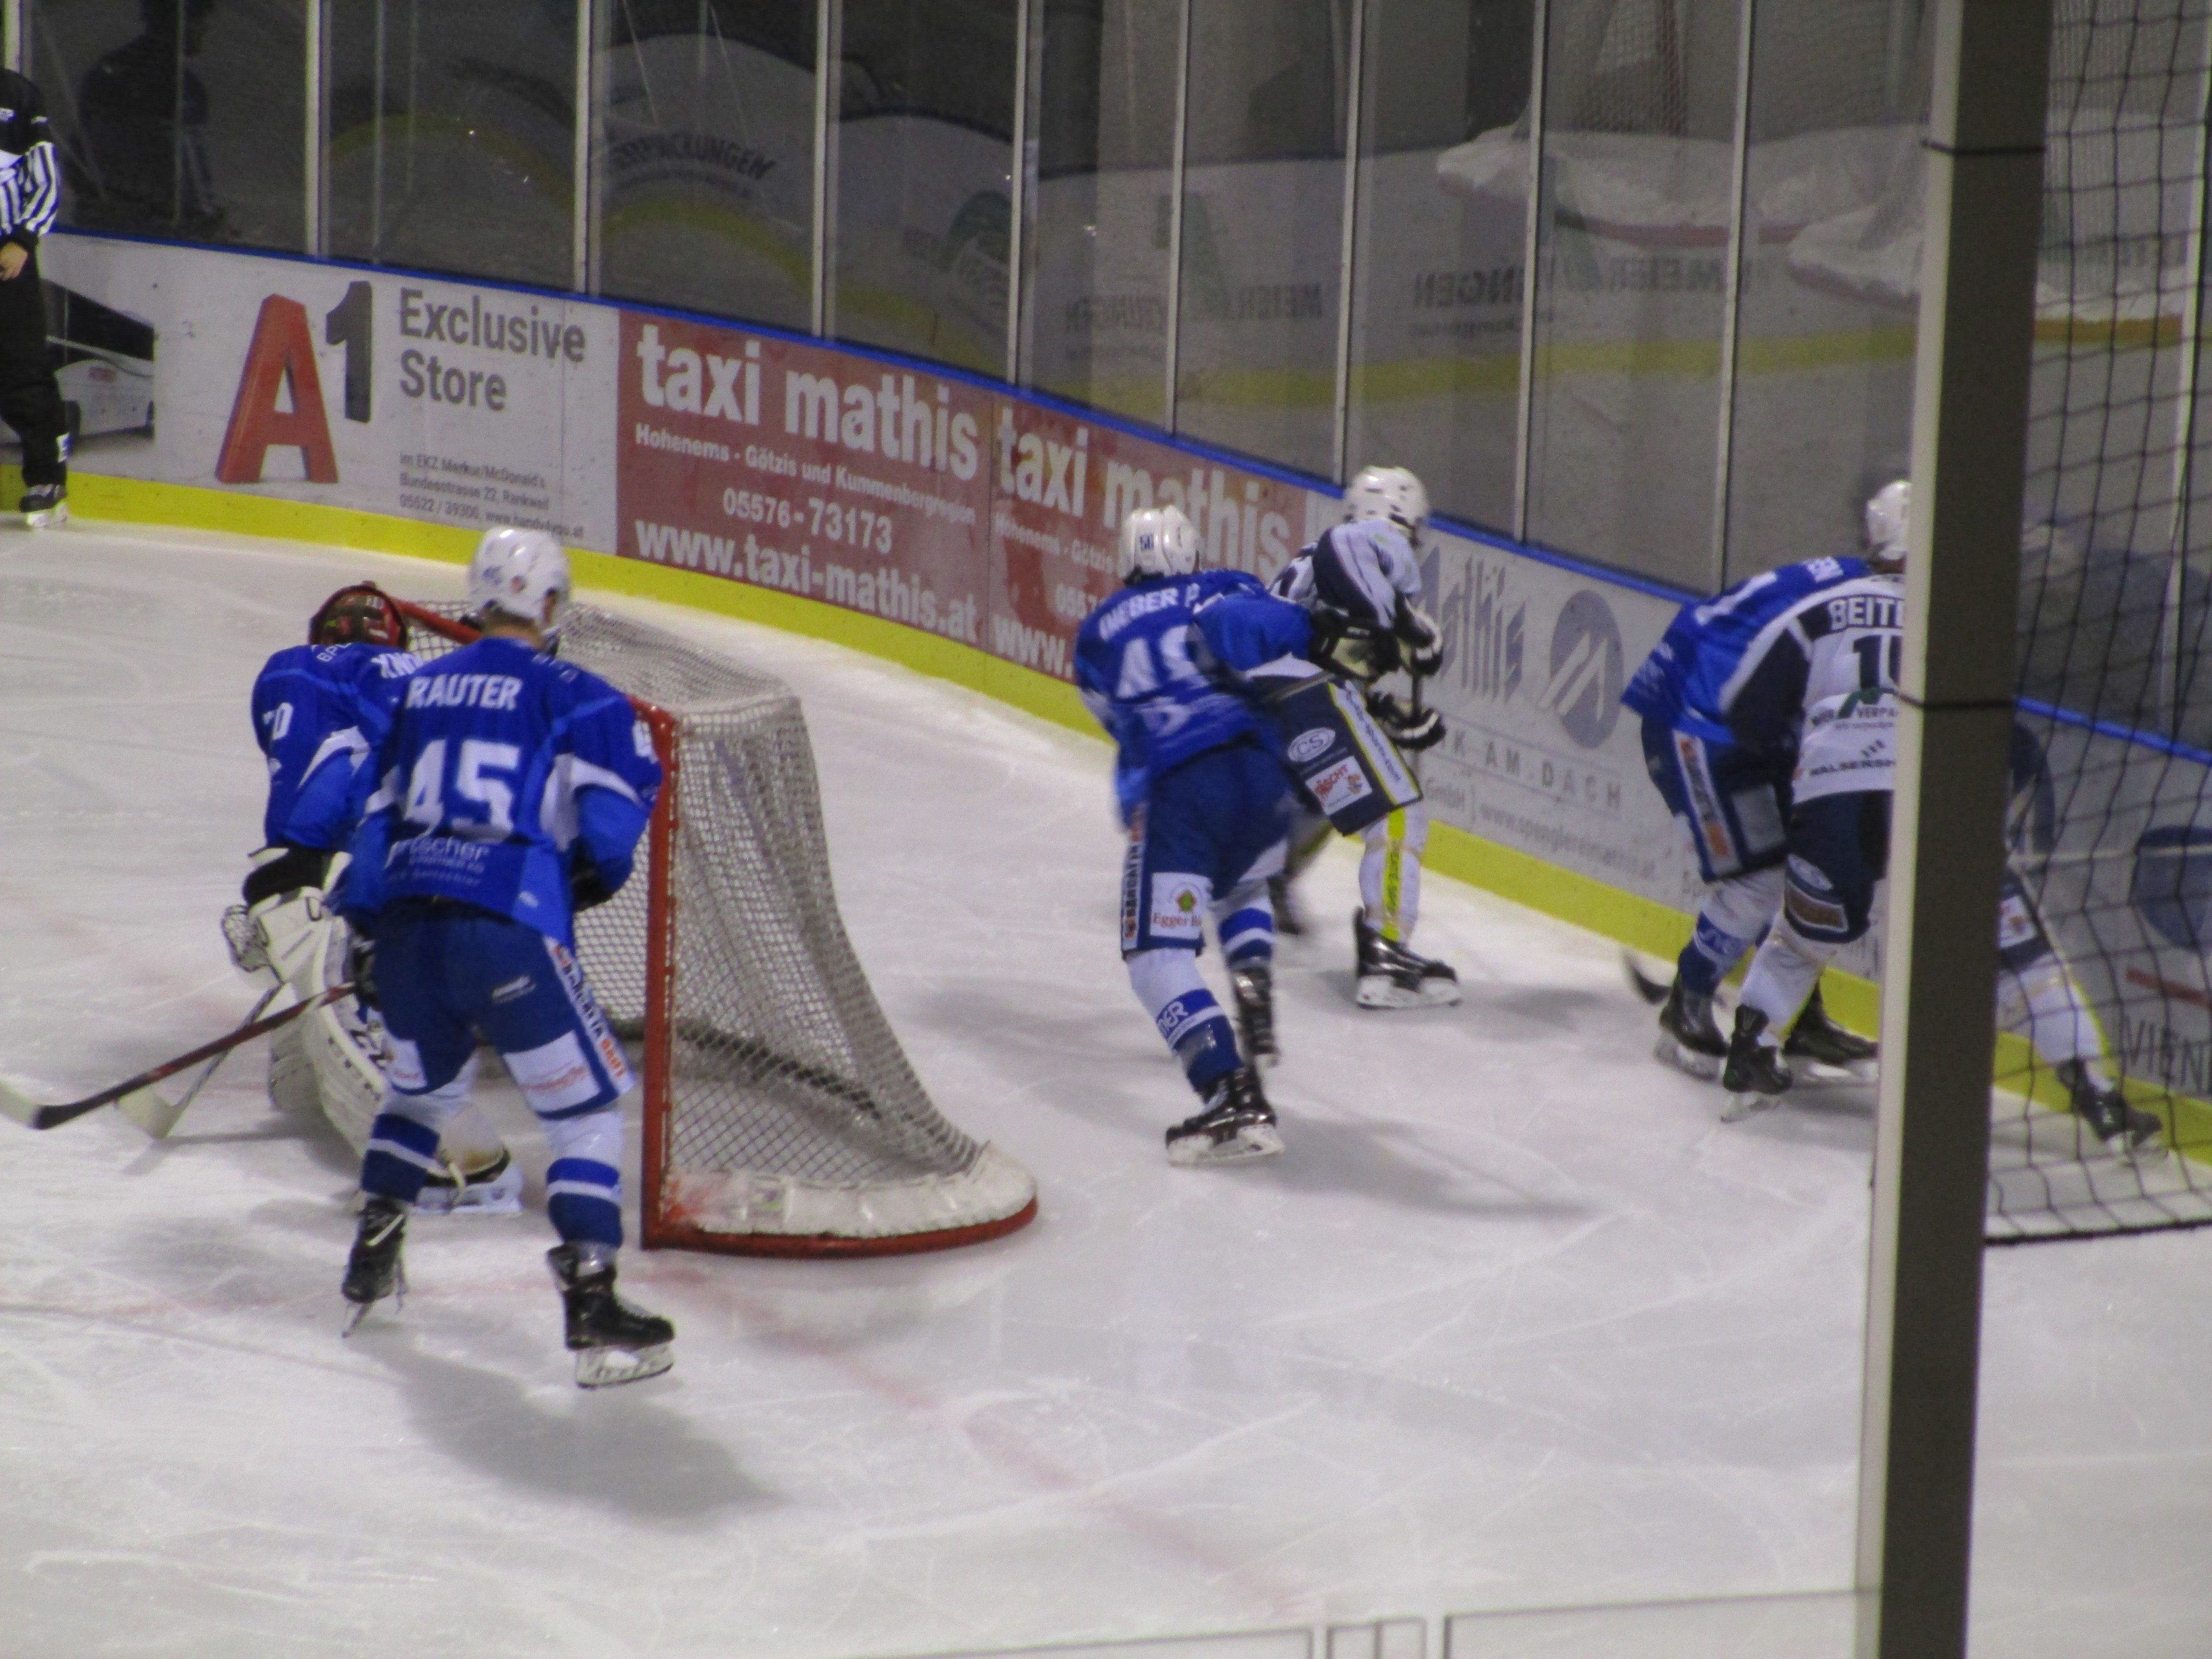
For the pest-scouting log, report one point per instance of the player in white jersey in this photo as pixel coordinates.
(1361, 583)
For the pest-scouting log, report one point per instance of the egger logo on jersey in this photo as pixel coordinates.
(1178, 907)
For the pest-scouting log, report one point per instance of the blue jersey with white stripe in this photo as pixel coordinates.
(1133, 668)
(1682, 683)
(318, 711)
(503, 770)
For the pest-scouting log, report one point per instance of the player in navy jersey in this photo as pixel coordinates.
(1360, 582)
(318, 710)
(511, 790)
(1734, 802)
(1207, 804)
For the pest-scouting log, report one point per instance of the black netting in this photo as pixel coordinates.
(784, 1069)
(2109, 890)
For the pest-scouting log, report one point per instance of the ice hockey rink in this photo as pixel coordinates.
(1516, 1324)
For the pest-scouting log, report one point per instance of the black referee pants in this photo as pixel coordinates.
(30, 398)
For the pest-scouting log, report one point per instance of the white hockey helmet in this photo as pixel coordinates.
(1158, 541)
(1889, 521)
(1392, 493)
(515, 572)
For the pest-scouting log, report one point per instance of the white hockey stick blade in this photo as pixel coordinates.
(607, 1368)
(14, 1104)
(149, 1112)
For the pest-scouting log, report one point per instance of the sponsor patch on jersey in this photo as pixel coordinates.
(520, 986)
(1817, 915)
(2015, 922)
(1339, 786)
(588, 1016)
(1178, 907)
(1132, 881)
(1310, 745)
(555, 1076)
(1808, 875)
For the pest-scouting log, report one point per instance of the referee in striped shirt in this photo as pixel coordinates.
(30, 398)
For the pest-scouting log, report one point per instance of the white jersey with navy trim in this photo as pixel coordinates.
(1821, 676)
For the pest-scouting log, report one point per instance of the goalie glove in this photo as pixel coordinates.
(361, 969)
(1423, 640)
(1411, 730)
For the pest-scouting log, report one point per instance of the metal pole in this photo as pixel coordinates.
(317, 139)
(18, 53)
(1019, 174)
(1174, 326)
(1531, 229)
(2185, 395)
(587, 124)
(1347, 252)
(827, 47)
(1985, 153)
(1732, 295)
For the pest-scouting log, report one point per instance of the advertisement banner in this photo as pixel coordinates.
(453, 402)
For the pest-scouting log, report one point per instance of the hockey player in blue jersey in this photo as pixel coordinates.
(511, 790)
(1361, 583)
(318, 710)
(1207, 804)
(1734, 802)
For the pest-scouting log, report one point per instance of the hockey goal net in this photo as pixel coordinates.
(781, 1117)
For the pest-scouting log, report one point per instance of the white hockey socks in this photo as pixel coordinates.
(2042, 1002)
(1186, 1014)
(1729, 921)
(1391, 871)
(1782, 978)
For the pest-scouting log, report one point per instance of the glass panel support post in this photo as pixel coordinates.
(1021, 181)
(1732, 294)
(1355, 102)
(2171, 683)
(583, 201)
(1173, 322)
(1984, 193)
(314, 185)
(1531, 239)
(829, 46)
(12, 20)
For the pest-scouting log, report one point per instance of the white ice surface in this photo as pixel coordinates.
(1513, 1324)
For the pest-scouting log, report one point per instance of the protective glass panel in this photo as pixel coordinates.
(706, 156)
(924, 153)
(1263, 236)
(1096, 292)
(1831, 248)
(453, 137)
(1631, 260)
(1438, 266)
(177, 118)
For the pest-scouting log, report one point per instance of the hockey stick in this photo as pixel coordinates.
(1394, 860)
(1653, 991)
(25, 1110)
(155, 1115)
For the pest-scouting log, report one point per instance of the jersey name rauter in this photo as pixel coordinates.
(491, 691)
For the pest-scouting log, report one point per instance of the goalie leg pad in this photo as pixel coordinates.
(1390, 872)
(1344, 764)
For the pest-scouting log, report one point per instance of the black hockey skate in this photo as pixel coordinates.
(1755, 1077)
(1819, 1041)
(1392, 977)
(43, 505)
(2127, 1130)
(1690, 1039)
(372, 1271)
(613, 1342)
(1238, 1124)
(1254, 988)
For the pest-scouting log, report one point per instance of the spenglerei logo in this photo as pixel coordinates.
(1586, 678)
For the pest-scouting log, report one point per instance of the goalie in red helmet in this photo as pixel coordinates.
(320, 709)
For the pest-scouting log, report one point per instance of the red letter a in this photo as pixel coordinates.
(282, 353)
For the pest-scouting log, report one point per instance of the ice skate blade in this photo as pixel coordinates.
(48, 520)
(1705, 1067)
(608, 1368)
(1255, 1140)
(1379, 991)
(1819, 1072)
(1750, 1104)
